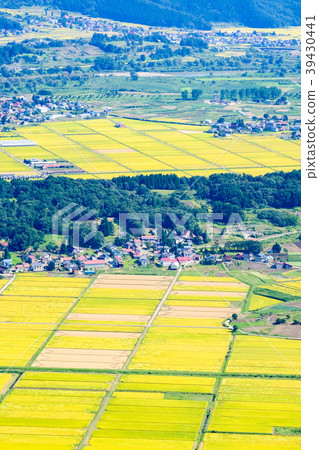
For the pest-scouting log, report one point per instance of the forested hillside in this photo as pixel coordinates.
(27, 208)
(182, 13)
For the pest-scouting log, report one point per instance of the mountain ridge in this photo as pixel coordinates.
(182, 13)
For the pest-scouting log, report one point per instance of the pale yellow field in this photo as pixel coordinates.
(98, 147)
(256, 406)
(257, 354)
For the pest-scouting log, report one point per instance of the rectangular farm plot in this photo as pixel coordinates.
(166, 383)
(198, 301)
(184, 349)
(223, 441)
(92, 349)
(10, 165)
(20, 341)
(135, 420)
(256, 406)
(96, 141)
(29, 312)
(260, 301)
(37, 416)
(28, 152)
(63, 380)
(256, 354)
(47, 286)
(103, 328)
(79, 358)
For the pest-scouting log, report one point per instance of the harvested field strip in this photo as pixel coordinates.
(196, 312)
(202, 279)
(81, 358)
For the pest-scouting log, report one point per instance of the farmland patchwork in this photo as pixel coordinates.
(95, 366)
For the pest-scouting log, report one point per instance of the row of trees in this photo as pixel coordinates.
(255, 93)
(195, 94)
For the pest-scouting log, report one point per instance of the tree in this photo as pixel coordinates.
(185, 95)
(196, 93)
(51, 266)
(276, 248)
(205, 237)
(134, 75)
(106, 227)
(278, 321)
(6, 253)
(63, 248)
(234, 316)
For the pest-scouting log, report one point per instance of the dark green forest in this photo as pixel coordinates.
(182, 13)
(27, 207)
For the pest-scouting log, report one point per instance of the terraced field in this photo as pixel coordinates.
(104, 151)
(87, 364)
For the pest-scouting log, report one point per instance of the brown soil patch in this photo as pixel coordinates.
(133, 277)
(285, 329)
(191, 132)
(98, 334)
(131, 285)
(295, 304)
(210, 293)
(293, 248)
(81, 358)
(111, 317)
(210, 284)
(196, 312)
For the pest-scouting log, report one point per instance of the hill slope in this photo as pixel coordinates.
(183, 13)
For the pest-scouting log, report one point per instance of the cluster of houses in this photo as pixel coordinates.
(144, 250)
(220, 39)
(272, 125)
(21, 111)
(271, 260)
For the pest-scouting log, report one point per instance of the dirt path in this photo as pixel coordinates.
(7, 284)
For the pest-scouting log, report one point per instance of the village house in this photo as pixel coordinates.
(7, 263)
(167, 261)
(93, 264)
(143, 260)
(37, 266)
